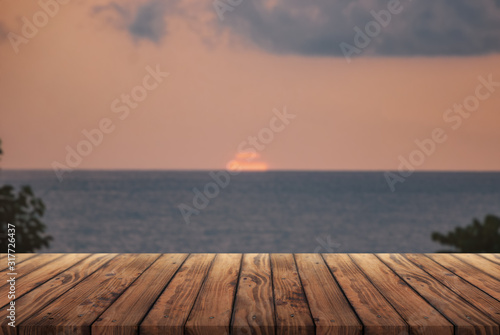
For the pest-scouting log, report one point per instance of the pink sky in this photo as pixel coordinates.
(220, 90)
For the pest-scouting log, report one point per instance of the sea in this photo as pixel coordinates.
(272, 211)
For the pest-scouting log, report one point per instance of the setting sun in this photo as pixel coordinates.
(245, 161)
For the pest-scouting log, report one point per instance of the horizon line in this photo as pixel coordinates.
(248, 171)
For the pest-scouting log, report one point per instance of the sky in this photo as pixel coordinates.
(270, 84)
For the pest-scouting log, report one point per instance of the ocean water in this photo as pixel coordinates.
(137, 211)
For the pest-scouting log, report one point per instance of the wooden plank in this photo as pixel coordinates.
(466, 318)
(30, 265)
(18, 258)
(78, 308)
(170, 312)
(68, 293)
(35, 300)
(482, 301)
(23, 257)
(331, 312)
(293, 316)
(211, 313)
(420, 316)
(254, 305)
(376, 313)
(495, 258)
(469, 273)
(139, 298)
(482, 264)
(41, 275)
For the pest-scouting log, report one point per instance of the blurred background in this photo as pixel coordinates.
(262, 126)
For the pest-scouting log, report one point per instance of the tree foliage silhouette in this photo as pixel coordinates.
(474, 238)
(24, 210)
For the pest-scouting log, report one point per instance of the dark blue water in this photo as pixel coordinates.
(137, 211)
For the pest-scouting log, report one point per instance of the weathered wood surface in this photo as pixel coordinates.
(464, 315)
(254, 305)
(212, 310)
(16, 258)
(141, 294)
(422, 317)
(170, 312)
(470, 273)
(374, 311)
(216, 294)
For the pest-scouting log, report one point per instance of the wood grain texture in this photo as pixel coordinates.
(376, 313)
(30, 264)
(131, 307)
(215, 294)
(480, 263)
(495, 258)
(420, 316)
(42, 296)
(254, 305)
(40, 275)
(293, 316)
(466, 318)
(18, 258)
(482, 301)
(170, 312)
(79, 307)
(471, 274)
(331, 312)
(212, 311)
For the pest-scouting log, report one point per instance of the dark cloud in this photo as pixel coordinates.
(423, 27)
(149, 21)
(145, 21)
(318, 27)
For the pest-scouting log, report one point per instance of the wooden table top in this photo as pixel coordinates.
(253, 294)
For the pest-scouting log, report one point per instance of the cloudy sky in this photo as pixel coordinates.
(325, 84)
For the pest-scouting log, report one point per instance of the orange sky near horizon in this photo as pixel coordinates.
(220, 93)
